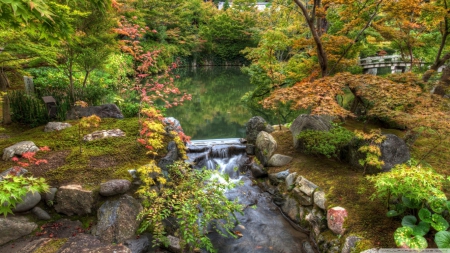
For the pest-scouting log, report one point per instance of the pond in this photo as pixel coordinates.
(216, 110)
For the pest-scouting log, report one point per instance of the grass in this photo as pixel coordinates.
(347, 187)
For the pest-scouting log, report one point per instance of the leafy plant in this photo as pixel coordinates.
(86, 123)
(190, 200)
(371, 149)
(327, 143)
(14, 188)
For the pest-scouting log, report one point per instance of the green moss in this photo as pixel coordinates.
(52, 246)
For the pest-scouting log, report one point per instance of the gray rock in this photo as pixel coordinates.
(49, 196)
(319, 199)
(84, 243)
(174, 244)
(114, 187)
(254, 126)
(350, 243)
(13, 171)
(28, 202)
(117, 219)
(102, 111)
(308, 248)
(250, 149)
(14, 227)
(40, 213)
(393, 151)
(172, 124)
(258, 170)
(309, 122)
(139, 245)
(265, 147)
(102, 134)
(18, 149)
(276, 178)
(278, 160)
(374, 250)
(72, 199)
(290, 208)
(290, 180)
(303, 199)
(56, 126)
(305, 186)
(170, 157)
(317, 221)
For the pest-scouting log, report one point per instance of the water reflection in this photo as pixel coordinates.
(215, 110)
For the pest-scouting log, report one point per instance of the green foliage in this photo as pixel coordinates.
(327, 143)
(191, 199)
(371, 148)
(27, 109)
(14, 188)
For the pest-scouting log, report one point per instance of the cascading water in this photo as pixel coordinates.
(263, 228)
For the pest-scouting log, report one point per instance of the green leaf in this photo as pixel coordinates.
(442, 239)
(438, 205)
(418, 242)
(402, 236)
(425, 215)
(438, 222)
(411, 203)
(421, 229)
(409, 221)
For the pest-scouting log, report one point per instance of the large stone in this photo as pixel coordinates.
(290, 208)
(265, 147)
(72, 199)
(102, 111)
(276, 178)
(13, 171)
(290, 180)
(117, 219)
(278, 160)
(393, 151)
(102, 134)
(18, 149)
(174, 244)
(306, 186)
(335, 219)
(139, 245)
(14, 227)
(320, 199)
(49, 196)
(316, 220)
(56, 126)
(350, 244)
(254, 126)
(40, 213)
(309, 122)
(114, 187)
(258, 170)
(170, 158)
(172, 124)
(84, 243)
(28, 202)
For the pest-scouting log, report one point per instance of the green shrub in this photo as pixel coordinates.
(327, 143)
(190, 200)
(27, 109)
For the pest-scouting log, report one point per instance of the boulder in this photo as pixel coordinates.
(320, 199)
(254, 126)
(276, 178)
(102, 111)
(170, 158)
(305, 186)
(335, 219)
(14, 227)
(172, 124)
(316, 220)
(393, 151)
(117, 219)
(102, 134)
(13, 171)
(265, 147)
(114, 187)
(350, 244)
(28, 202)
(18, 149)
(40, 213)
(72, 199)
(290, 180)
(309, 122)
(174, 244)
(278, 160)
(139, 245)
(56, 126)
(84, 243)
(258, 170)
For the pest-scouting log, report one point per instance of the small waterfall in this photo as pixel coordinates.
(264, 228)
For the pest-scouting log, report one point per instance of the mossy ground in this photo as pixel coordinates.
(347, 187)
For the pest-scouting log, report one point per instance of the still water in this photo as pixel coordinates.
(216, 110)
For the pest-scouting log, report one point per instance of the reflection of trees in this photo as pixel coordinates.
(215, 110)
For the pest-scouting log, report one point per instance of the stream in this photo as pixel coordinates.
(263, 226)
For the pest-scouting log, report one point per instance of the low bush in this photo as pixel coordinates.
(327, 143)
